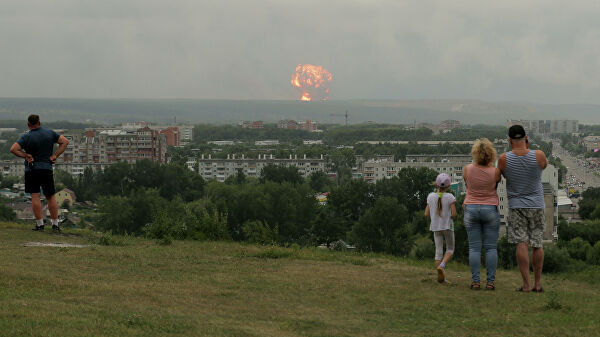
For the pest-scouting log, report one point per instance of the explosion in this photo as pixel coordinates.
(312, 82)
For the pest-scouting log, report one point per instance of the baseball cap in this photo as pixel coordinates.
(516, 132)
(442, 180)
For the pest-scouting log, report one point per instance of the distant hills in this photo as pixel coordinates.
(104, 111)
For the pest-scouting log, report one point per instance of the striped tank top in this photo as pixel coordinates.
(523, 181)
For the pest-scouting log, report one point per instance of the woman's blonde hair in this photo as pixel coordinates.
(483, 152)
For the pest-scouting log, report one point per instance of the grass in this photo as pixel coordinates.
(228, 289)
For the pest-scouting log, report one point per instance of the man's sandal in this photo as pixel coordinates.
(490, 286)
(475, 286)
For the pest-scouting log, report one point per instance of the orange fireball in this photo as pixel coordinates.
(312, 82)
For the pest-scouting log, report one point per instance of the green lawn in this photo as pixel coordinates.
(227, 289)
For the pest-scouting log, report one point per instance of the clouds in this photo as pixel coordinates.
(545, 51)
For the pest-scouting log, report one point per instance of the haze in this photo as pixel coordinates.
(537, 51)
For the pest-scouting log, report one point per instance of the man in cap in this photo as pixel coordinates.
(36, 146)
(522, 169)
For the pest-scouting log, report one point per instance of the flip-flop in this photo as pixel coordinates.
(521, 290)
(540, 290)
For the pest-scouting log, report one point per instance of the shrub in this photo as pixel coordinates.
(556, 259)
(507, 257)
(259, 232)
(160, 227)
(588, 231)
(578, 248)
(424, 248)
(593, 254)
(107, 239)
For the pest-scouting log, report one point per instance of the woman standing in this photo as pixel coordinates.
(481, 211)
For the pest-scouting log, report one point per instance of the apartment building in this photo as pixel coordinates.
(287, 124)
(98, 148)
(592, 142)
(546, 126)
(220, 169)
(12, 167)
(449, 124)
(385, 168)
(177, 135)
(252, 124)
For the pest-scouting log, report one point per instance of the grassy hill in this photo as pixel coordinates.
(230, 289)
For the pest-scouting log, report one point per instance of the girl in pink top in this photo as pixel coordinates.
(481, 211)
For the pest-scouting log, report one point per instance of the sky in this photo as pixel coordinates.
(542, 51)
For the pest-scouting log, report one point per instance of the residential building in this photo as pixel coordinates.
(591, 142)
(449, 124)
(385, 168)
(308, 125)
(546, 126)
(252, 125)
(177, 135)
(222, 142)
(97, 149)
(65, 196)
(171, 135)
(269, 142)
(287, 124)
(221, 169)
(13, 167)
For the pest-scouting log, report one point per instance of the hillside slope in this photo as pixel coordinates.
(229, 289)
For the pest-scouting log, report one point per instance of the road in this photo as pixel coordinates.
(575, 168)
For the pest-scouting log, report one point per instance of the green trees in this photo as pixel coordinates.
(384, 228)
(589, 206)
(6, 213)
(280, 174)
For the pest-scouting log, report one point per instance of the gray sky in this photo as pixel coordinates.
(512, 50)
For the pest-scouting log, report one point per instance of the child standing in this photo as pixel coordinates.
(440, 207)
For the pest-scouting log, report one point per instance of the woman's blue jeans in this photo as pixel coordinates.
(482, 220)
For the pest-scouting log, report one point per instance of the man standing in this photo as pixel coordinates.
(36, 146)
(522, 169)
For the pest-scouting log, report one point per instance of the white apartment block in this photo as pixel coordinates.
(374, 170)
(546, 126)
(221, 169)
(13, 167)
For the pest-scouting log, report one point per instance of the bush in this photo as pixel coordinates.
(424, 248)
(556, 259)
(507, 254)
(593, 254)
(578, 248)
(588, 231)
(259, 232)
(161, 226)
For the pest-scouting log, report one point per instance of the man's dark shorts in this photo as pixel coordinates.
(35, 179)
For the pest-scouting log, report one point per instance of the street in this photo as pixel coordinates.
(584, 176)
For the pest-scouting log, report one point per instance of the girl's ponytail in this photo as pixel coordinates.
(439, 202)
